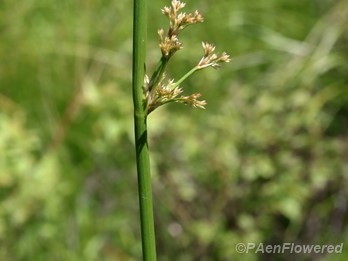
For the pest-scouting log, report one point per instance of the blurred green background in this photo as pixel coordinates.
(267, 161)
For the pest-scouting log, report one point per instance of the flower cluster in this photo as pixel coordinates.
(192, 100)
(159, 91)
(212, 59)
(169, 92)
(178, 21)
(169, 43)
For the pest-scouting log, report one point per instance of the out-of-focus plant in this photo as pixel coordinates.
(265, 162)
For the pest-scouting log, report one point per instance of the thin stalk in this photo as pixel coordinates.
(155, 79)
(188, 74)
(140, 130)
(157, 75)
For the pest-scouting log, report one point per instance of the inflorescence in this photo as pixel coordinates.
(158, 90)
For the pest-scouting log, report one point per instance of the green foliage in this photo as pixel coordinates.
(265, 162)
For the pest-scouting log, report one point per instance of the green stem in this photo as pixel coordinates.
(157, 75)
(140, 130)
(188, 74)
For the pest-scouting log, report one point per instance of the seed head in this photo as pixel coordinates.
(168, 45)
(192, 101)
(161, 92)
(164, 93)
(212, 59)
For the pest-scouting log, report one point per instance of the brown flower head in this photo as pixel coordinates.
(212, 59)
(169, 44)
